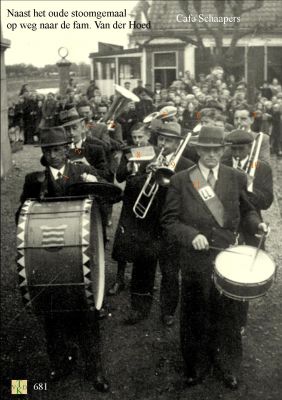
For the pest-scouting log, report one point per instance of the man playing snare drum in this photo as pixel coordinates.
(203, 210)
(65, 330)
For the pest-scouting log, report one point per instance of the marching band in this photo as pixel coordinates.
(188, 197)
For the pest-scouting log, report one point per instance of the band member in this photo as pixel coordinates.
(243, 119)
(84, 149)
(64, 330)
(203, 210)
(260, 187)
(138, 240)
(140, 137)
(168, 139)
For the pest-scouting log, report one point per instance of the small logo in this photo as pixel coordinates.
(19, 386)
(53, 236)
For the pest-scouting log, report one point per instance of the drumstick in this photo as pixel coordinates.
(230, 251)
(257, 250)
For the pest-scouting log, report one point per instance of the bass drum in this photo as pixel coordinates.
(60, 261)
(238, 277)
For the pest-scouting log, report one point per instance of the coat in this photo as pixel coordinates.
(185, 215)
(262, 195)
(264, 153)
(37, 182)
(95, 156)
(134, 236)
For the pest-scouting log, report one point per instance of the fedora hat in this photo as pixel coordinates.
(53, 136)
(209, 136)
(69, 117)
(169, 129)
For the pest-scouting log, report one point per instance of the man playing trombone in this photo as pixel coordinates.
(259, 173)
(138, 235)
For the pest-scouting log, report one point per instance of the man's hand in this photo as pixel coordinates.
(200, 242)
(263, 228)
(88, 177)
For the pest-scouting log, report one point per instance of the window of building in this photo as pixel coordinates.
(165, 60)
(105, 69)
(130, 68)
(165, 66)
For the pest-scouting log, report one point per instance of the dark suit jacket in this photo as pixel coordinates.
(261, 197)
(185, 215)
(43, 181)
(134, 236)
(94, 154)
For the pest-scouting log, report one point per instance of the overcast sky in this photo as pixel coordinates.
(40, 47)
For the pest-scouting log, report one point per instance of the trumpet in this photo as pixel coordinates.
(160, 177)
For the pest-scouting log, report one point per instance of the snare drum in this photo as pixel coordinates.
(238, 277)
(61, 255)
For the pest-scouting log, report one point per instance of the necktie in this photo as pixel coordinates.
(211, 179)
(59, 176)
(239, 166)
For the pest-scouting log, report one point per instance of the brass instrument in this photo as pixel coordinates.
(253, 159)
(148, 192)
(121, 99)
(160, 177)
(252, 163)
(164, 173)
(150, 117)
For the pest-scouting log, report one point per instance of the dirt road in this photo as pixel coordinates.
(143, 361)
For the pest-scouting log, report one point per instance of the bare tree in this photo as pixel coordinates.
(236, 8)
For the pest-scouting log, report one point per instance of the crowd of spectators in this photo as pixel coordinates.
(213, 97)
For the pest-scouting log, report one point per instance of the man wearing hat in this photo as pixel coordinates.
(203, 210)
(63, 329)
(83, 148)
(138, 240)
(244, 119)
(260, 187)
(168, 138)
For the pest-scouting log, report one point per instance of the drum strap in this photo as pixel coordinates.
(208, 196)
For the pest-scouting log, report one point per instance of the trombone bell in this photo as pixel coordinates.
(163, 175)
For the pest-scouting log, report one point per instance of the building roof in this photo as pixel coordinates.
(162, 15)
(112, 51)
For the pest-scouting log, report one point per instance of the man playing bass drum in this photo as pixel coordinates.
(64, 328)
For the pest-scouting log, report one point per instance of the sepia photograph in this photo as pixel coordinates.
(141, 200)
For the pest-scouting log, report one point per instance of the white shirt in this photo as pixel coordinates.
(236, 162)
(55, 172)
(205, 171)
(77, 145)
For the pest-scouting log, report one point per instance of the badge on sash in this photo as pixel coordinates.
(206, 193)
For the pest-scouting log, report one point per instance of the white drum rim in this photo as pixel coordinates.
(250, 284)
